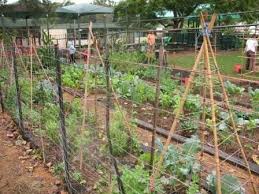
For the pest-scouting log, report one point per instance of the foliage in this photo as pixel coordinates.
(181, 163)
(193, 103)
(122, 140)
(238, 5)
(194, 185)
(50, 126)
(46, 52)
(229, 184)
(130, 86)
(254, 94)
(136, 180)
(142, 92)
(147, 73)
(96, 78)
(233, 89)
(72, 76)
(58, 169)
(126, 61)
(44, 92)
(78, 177)
(191, 124)
(10, 99)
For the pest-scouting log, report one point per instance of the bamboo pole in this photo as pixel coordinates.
(213, 116)
(232, 118)
(31, 78)
(203, 117)
(177, 117)
(85, 112)
(180, 108)
(213, 108)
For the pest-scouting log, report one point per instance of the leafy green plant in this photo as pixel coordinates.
(43, 92)
(130, 86)
(233, 89)
(229, 184)
(126, 61)
(193, 103)
(46, 52)
(190, 125)
(194, 185)
(72, 76)
(136, 180)
(166, 100)
(181, 162)
(50, 114)
(122, 140)
(254, 94)
(58, 169)
(147, 73)
(78, 177)
(142, 92)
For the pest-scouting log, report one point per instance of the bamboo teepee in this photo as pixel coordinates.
(210, 62)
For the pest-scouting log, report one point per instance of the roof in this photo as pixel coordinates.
(84, 9)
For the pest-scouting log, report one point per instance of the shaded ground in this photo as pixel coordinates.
(20, 170)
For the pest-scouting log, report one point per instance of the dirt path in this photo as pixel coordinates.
(20, 170)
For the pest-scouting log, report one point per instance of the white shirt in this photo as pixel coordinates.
(251, 45)
(71, 49)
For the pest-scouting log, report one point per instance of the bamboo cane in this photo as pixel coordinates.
(31, 78)
(177, 116)
(180, 109)
(213, 116)
(232, 118)
(86, 67)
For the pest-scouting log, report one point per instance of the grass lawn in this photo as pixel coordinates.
(226, 61)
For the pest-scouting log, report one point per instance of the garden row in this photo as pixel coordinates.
(41, 115)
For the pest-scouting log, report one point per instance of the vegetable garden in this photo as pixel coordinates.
(104, 125)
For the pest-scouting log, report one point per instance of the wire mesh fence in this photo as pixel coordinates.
(83, 117)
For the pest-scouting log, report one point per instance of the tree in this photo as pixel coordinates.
(150, 9)
(223, 6)
(131, 9)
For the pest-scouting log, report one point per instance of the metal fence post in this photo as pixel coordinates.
(18, 94)
(62, 120)
(161, 63)
(107, 121)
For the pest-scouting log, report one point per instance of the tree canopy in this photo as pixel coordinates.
(150, 9)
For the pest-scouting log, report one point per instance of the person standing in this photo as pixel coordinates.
(72, 51)
(251, 48)
(151, 41)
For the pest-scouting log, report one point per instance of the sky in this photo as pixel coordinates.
(75, 1)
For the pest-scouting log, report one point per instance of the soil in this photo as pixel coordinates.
(165, 120)
(20, 170)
